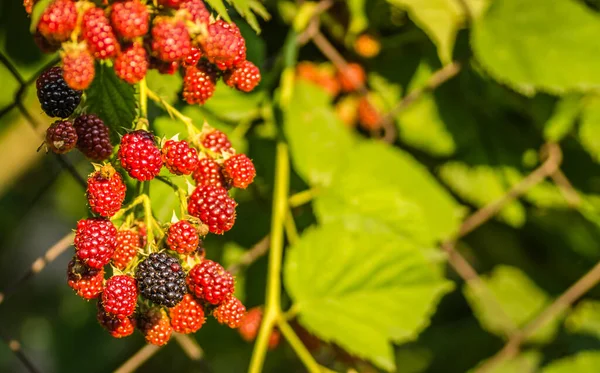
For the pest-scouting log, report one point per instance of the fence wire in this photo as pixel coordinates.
(550, 169)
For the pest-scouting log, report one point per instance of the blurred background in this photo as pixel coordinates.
(479, 133)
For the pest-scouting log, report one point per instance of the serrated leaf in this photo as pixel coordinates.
(563, 117)
(112, 99)
(406, 188)
(585, 318)
(516, 301)
(232, 105)
(36, 14)
(589, 130)
(245, 8)
(362, 302)
(526, 362)
(220, 8)
(583, 362)
(440, 19)
(481, 185)
(552, 51)
(319, 141)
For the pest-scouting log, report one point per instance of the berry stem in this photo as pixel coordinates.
(298, 347)
(139, 199)
(290, 227)
(148, 218)
(272, 303)
(181, 194)
(144, 98)
(303, 197)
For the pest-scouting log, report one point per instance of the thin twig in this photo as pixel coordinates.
(566, 189)
(52, 253)
(538, 175)
(189, 345)
(576, 291)
(15, 347)
(259, 249)
(139, 358)
(314, 23)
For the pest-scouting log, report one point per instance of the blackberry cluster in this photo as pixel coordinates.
(56, 97)
(161, 279)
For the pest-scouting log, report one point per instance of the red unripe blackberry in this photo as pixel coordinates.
(132, 63)
(209, 173)
(28, 5)
(199, 83)
(175, 4)
(367, 46)
(156, 326)
(161, 279)
(139, 155)
(118, 328)
(369, 117)
(45, 45)
(216, 141)
(168, 68)
(251, 324)
(352, 77)
(213, 206)
(210, 282)
(87, 282)
(193, 57)
(223, 45)
(170, 39)
(105, 191)
(95, 241)
(93, 137)
(55, 96)
(120, 296)
(58, 20)
(128, 244)
(197, 11)
(321, 76)
(129, 19)
(188, 316)
(98, 33)
(179, 157)
(244, 77)
(183, 237)
(231, 312)
(239, 171)
(78, 68)
(61, 137)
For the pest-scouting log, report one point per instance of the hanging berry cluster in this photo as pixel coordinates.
(163, 35)
(175, 284)
(352, 106)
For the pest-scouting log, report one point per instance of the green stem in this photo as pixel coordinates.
(180, 194)
(148, 218)
(139, 199)
(144, 98)
(290, 227)
(296, 344)
(303, 197)
(272, 303)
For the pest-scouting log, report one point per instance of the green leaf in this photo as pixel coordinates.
(526, 362)
(36, 13)
(358, 17)
(421, 124)
(516, 301)
(382, 188)
(245, 8)
(589, 131)
(440, 19)
(481, 185)
(563, 117)
(319, 141)
(552, 51)
(585, 318)
(220, 8)
(165, 85)
(112, 99)
(583, 362)
(232, 105)
(362, 302)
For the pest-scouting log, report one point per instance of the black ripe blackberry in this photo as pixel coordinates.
(93, 137)
(161, 279)
(56, 97)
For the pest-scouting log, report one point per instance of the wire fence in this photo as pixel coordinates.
(549, 169)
